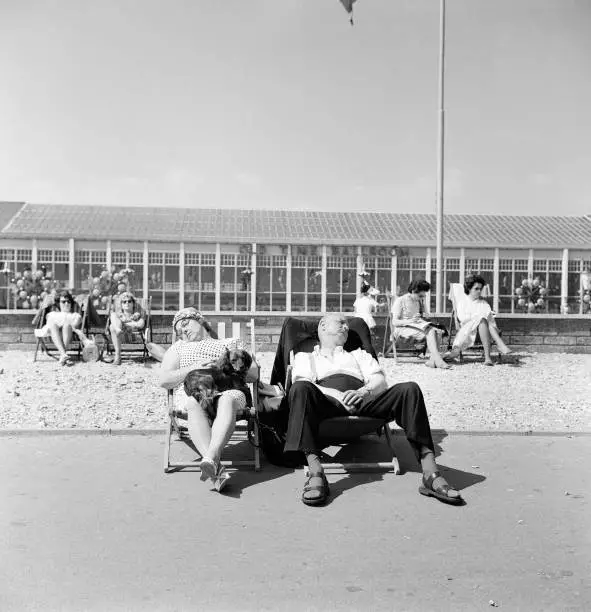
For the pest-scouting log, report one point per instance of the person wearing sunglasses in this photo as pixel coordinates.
(60, 325)
(128, 316)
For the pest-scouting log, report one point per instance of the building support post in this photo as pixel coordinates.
(564, 284)
(218, 275)
(288, 280)
(182, 275)
(323, 281)
(71, 274)
(146, 273)
(496, 288)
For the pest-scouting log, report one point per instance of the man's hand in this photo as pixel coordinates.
(352, 399)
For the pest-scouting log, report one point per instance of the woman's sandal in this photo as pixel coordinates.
(323, 489)
(441, 493)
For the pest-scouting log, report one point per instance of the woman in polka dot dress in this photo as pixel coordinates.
(193, 350)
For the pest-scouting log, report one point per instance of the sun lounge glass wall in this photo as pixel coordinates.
(200, 281)
(163, 280)
(133, 261)
(306, 280)
(378, 273)
(271, 282)
(12, 263)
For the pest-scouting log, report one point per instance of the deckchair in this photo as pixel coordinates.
(299, 335)
(133, 342)
(247, 429)
(90, 317)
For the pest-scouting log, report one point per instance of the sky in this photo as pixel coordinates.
(282, 104)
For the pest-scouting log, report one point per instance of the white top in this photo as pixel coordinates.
(364, 307)
(320, 364)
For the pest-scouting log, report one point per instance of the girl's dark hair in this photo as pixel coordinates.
(66, 295)
(419, 285)
(471, 280)
(364, 287)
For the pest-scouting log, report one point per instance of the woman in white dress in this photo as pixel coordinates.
(410, 321)
(476, 316)
(194, 348)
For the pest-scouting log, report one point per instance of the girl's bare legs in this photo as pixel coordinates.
(484, 332)
(435, 358)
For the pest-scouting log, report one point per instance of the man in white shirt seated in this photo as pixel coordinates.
(331, 382)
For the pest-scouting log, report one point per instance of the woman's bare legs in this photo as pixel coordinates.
(484, 332)
(435, 358)
(503, 348)
(58, 340)
(211, 440)
(223, 426)
(116, 330)
(67, 333)
(199, 426)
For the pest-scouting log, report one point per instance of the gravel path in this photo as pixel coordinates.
(541, 392)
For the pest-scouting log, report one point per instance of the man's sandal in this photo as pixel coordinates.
(322, 489)
(441, 492)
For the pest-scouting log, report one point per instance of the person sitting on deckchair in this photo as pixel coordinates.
(475, 315)
(332, 382)
(61, 325)
(409, 321)
(128, 316)
(209, 431)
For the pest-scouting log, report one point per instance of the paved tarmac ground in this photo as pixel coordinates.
(93, 523)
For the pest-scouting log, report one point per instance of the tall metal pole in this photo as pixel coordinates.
(440, 161)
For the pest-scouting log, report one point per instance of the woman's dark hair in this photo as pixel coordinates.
(418, 285)
(66, 295)
(471, 280)
(364, 288)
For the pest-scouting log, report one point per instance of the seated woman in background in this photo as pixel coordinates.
(61, 325)
(410, 321)
(475, 315)
(128, 316)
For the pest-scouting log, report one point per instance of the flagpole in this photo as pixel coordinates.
(440, 161)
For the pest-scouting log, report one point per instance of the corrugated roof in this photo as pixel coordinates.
(7, 211)
(292, 226)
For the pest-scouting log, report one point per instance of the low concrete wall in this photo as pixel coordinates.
(534, 333)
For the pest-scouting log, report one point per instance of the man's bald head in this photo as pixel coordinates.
(333, 330)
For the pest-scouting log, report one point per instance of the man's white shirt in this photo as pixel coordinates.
(320, 363)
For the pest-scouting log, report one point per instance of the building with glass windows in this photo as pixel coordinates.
(283, 261)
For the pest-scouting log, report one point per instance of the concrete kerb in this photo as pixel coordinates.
(160, 431)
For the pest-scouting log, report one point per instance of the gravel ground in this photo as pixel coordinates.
(538, 392)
